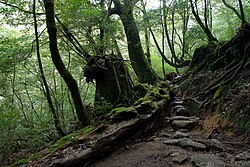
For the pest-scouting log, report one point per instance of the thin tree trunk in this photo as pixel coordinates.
(209, 34)
(232, 8)
(163, 40)
(169, 40)
(57, 121)
(243, 21)
(56, 58)
(146, 31)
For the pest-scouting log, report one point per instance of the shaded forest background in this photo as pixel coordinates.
(66, 63)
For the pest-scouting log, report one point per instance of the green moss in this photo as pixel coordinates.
(122, 114)
(155, 93)
(141, 90)
(217, 93)
(139, 101)
(25, 161)
(62, 142)
(122, 109)
(69, 139)
(102, 106)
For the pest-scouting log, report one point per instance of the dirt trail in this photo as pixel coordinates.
(182, 143)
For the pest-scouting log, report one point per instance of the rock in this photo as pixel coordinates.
(182, 112)
(179, 134)
(183, 130)
(242, 164)
(122, 114)
(177, 102)
(180, 159)
(167, 154)
(172, 141)
(182, 118)
(175, 154)
(192, 145)
(178, 106)
(207, 160)
(215, 145)
(243, 156)
(168, 135)
(226, 156)
(184, 124)
(186, 143)
(150, 138)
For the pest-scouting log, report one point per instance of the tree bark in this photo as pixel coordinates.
(113, 85)
(146, 31)
(56, 118)
(206, 30)
(243, 21)
(139, 62)
(232, 8)
(56, 58)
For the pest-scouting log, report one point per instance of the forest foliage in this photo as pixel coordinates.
(94, 31)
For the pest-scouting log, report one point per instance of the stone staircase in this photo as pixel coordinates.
(186, 133)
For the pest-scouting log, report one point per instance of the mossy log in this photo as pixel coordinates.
(113, 136)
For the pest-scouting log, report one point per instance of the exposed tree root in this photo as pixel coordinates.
(239, 42)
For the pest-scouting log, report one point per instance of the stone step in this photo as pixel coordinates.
(182, 118)
(184, 124)
(186, 143)
(177, 102)
(181, 112)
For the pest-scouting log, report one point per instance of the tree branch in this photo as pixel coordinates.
(232, 8)
(183, 64)
(20, 9)
(73, 39)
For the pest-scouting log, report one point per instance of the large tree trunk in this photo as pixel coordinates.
(113, 85)
(56, 58)
(138, 60)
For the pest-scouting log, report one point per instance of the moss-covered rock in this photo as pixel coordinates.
(141, 90)
(154, 94)
(122, 114)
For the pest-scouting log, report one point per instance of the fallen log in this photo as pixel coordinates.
(109, 140)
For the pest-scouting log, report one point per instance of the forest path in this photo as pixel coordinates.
(181, 143)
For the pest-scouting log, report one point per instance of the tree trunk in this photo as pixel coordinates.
(113, 85)
(54, 112)
(206, 30)
(146, 31)
(56, 58)
(138, 60)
